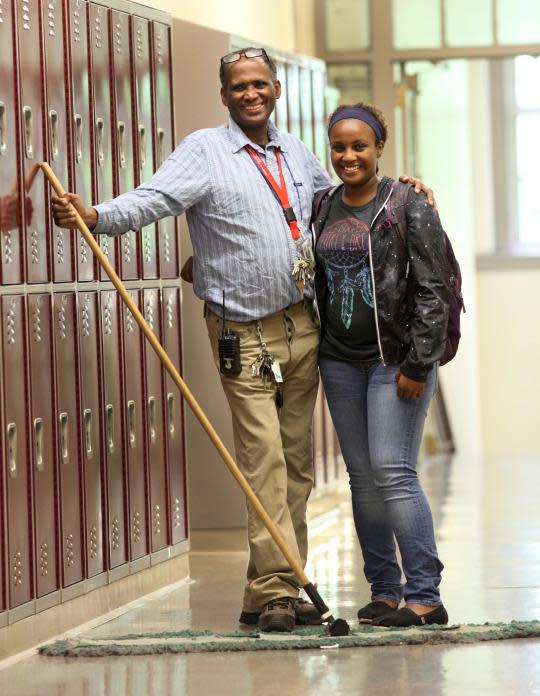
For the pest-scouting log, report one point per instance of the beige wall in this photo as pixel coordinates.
(509, 343)
(261, 21)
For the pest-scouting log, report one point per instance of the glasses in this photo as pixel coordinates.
(247, 53)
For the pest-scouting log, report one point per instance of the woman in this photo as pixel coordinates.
(382, 293)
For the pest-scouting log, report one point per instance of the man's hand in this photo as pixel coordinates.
(64, 215)
(409, 388)
(420, 186)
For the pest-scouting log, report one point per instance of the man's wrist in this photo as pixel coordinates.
(91, 218)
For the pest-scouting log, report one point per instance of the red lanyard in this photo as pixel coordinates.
(279, 191)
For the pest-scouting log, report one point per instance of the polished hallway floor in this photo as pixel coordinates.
(488, 529)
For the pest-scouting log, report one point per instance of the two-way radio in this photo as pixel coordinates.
(228, 349)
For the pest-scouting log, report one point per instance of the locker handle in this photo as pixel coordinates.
(53, 123)
(170, 415)
(142, 146)
(28, 132)
(78, 138)
(100, 134)
(12, 449)
(38, 443)
(87, 418)
(64, 438)
(152, 419)
(3, 129)
(122, 144)
(131, 423)
(109, 410)
(160, 141)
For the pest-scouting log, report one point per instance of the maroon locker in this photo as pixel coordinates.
(135, 431)
(123, 132)
(142, 133)
(67, 420)
(155, 428)
(18, 476)
(81, 126)
(3, 524)
(31, 96)
(11, 259)
(90, 433)
(174, 411)
(102, 120)
(164, 140)
(42, 439)
(112, 407)
(57, 129)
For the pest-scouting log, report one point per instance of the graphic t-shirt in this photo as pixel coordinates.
(343, 252)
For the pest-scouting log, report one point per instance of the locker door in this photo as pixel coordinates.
(319, 115)
(90, 433)
(174, 410)
(68, 450)
(102, 120)
(135, 435)
(11, 260)
(31, 95)
(306, 104)
(17, 474)
(81, 126)
(123, 133)
(42, 438)
(281, 116)
(144, 154)
(112, 408)
(293, 99)
(164, 140)
(3, 525)
(155, 428)
(57, 129)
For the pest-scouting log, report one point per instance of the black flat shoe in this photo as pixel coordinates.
(374, 610)
(406, 617)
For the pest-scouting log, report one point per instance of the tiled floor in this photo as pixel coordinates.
(488, 527)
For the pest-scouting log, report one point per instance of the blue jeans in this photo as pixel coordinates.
(380, 436)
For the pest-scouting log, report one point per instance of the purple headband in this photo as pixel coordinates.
(361, 115)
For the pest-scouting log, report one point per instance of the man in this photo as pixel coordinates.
(247, 190)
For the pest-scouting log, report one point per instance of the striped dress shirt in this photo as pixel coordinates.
(241, 241)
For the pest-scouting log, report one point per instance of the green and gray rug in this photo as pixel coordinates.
(207, 641)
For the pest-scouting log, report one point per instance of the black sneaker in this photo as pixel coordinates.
(305, 614)
(374, 610)
(406, 617)
(278, 615)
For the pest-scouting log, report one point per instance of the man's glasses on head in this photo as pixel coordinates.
(245, 53)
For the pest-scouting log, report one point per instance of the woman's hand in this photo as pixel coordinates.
(420, 186)
(409, 388)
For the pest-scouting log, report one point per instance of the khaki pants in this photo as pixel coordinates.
(274, 449)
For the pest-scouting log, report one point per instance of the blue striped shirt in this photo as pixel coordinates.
(241, 241)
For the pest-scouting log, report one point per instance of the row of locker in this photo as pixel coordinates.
(92, 437)
(89, 89)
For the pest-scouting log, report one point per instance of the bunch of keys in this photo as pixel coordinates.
(301, 274)
(266, 367)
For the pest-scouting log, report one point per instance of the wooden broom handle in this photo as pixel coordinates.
(173, 372)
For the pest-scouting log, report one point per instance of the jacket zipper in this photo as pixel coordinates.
(383, 206)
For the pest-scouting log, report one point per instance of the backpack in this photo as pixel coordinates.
(395, 209)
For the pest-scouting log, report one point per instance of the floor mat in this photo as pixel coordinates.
(188, 641)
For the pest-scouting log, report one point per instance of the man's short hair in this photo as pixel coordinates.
(264, 56)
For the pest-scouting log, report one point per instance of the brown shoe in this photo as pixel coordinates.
(305, 614)
(277, 615)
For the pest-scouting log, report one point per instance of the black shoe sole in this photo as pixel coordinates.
(277, 624)
(404, 617)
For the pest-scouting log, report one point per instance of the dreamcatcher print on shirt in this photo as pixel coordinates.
(345, 248)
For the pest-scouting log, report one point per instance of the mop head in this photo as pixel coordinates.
(364, 637)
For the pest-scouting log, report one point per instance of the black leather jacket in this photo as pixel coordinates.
(410, 278)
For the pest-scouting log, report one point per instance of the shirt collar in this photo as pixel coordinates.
(239, 139)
